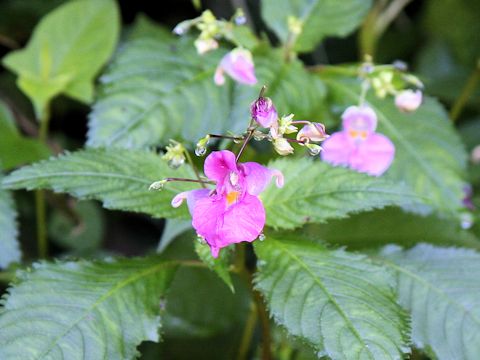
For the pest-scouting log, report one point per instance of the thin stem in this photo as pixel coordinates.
(363, 94)
(191, 263)
(264, 324)
(226, 137)
(200, 181)
(303, 142)
(195, 170)
(40, 206)
(467, 91)
(262, 91)
(248, 332)
(245, 142)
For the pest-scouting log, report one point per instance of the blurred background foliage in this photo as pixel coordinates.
(439, 39)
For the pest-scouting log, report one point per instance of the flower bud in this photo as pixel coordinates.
(205, 45)
(175, 154)
(285, 125)
(475, 156)
(312, 132)
(182, 27)
(157, 185)
(313, 149)
(383, 84)
(238, 64)
(201, 148)
(263, 112)
(408, 100)
(282, 146)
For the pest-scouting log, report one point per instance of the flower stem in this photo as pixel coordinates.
(195, 170)
(467, 91)
(245, 142)
(40, 206)
(265, 325)
(200, 181)
(226, 137)
(248, 332)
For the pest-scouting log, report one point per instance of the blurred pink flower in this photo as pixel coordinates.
(408, 100)
(238, 64)
(231, 213)
(358, 146)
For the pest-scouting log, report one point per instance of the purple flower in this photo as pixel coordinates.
(408, 100)
(232, 212)
(357, 145)
(312, 132)
(238, 64)
(263, 112)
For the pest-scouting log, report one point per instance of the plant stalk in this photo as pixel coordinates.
(467, 91)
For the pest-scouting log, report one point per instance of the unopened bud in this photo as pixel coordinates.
(239, 18)
(263, 112)
(400, 65)
(408, 100)
(205, 45)
(383, 84)
(285, 125)
(201, 148)
(282, 146)
(413, 80)
(295, 25)
(475, 156)
(183, 27)
(157, 185)
(175, 154)
(313, 149)
(312, 132)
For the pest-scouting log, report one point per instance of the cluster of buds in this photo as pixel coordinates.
(393, 80)
(264, 116)
(264, 113)
(238, 63)
(175, 154)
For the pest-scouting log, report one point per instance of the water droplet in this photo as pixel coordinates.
(466, 221)
(200, 150)
(261, 237)
(240, 20)
(201, 239)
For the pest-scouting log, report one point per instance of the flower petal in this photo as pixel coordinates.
(359, 118)
(239, 65)
(221, 227)
(191, 196)
(258, 177)
(218, 164)
(337, 149)
(375, 155)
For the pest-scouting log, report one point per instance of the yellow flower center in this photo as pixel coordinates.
(354, 134)
(232, 197)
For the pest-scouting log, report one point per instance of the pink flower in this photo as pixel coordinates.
(408, 100)
(263, 112)
(357, 145)
(238, 64)
(231, 213)
(312, 132)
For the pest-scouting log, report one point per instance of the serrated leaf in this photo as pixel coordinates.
(119, 178)
(429, 158)
(320, 18)
(84, 310)
(158, 88)
(339, 302)
(9, 247)
(67, 49)
(391, 226)
(315, 191)
(220, 265)
(440, 287)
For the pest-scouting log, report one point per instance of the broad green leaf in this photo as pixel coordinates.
(440, 287)
(67, 49)
(84, 310)
(16, 149)
(9, 248)
(119, 178)
(220, 265)
(339, 302)
(158, 88)
(387, 226)
(429, 158)
(320, 18)
(315, 191)
(82, 233)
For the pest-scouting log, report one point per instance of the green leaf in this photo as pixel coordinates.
(84, 310)
(430, 157)
(220, 265)
(440, 287)
(320, 18)
(315, 191)
(67, 49)
(387, 226)
(158, 88)
(172, 229)
(119, 178)
(341, 303)
(16, 149)
(9, 248)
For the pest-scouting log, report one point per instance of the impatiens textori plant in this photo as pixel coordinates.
(240, 194)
